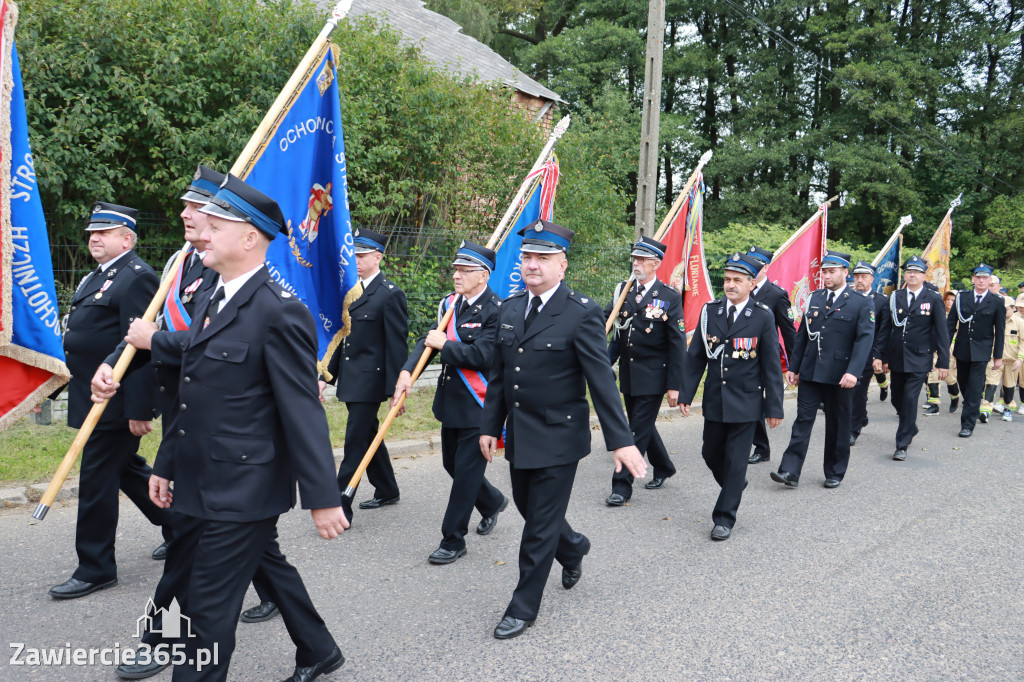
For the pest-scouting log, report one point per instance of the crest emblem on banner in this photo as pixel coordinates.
(326, 77)
(800, 295)
(319, 205)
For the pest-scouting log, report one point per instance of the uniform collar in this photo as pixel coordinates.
(231, 288)
(104, 266)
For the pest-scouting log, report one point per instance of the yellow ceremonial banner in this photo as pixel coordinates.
(937, 254)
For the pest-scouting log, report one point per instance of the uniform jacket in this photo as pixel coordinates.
(97, 323)
(744, 383)
(883, 321)
(366, 364)
(250, 423)
(980, 338)
(911, 348)
(454, 405)
(777, 300)
(652, 347)
(847, 334)
(538, 384)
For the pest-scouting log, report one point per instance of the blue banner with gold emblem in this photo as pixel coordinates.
(302, 167)
(887, 272)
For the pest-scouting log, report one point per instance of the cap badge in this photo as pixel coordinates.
(538, 228)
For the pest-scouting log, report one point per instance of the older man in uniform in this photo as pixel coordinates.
(551, 347)
(863, 283)
(650, 343)
(366, 366)
(917, 333)
(832, 346)
(777, 300)
(931, 406)
(102, 307)
(466, 349)
(738, 345)
(250, 426)
(976, 324)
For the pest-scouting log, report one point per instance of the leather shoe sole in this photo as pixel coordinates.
(446, 556)
(487, 524)
(262, 612)
(832, 483)
(785, 478)
(510, 627)
(758, 457)
(160, 553)
(720, 533)
(655, 483)
(74, 588)
(139, 671)
(324, 667)
(377, 502)
(615, 500)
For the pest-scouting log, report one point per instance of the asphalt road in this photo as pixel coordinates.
(908, 571)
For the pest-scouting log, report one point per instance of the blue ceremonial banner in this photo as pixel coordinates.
(887, 270)
(303, 168)
(539, 203)
(31, 353)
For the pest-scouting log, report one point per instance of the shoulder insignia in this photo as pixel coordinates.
(497, 303)
(584, 300)
(285, 294)
(138, 267)
(391, 286)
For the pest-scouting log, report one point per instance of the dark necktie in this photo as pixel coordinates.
(732, 315)
(214, 308)
(534, 312)
(463, 307)
(831, 300)
(977, 299)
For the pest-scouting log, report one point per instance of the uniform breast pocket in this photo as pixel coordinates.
(103, 301)
(366, 315)
(227, 350)
(507, 337)
(551, 343)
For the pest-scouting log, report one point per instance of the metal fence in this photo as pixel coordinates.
(418, 260)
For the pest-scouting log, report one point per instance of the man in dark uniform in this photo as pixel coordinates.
(777, 300)
(102, 307)
(365, 368)
(466, 348)
(976, 324)
(551, 347)
(917, 333)
(250, 426)
(738, 344)
(650, 342)
(832, 346)
(863, 283)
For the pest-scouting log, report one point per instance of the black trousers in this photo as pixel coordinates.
(542, 496)
(460, 455)
(110, 461)
(906, 391)
(642, 411)
(359, 433)
(838, 410)
(174, 581)
(726, 451)
(760, 439)
(860, 401)
(971, 377)
(226, 556)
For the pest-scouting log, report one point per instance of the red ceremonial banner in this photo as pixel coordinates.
(684, 266)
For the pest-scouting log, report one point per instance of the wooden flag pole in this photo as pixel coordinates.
(904, 221)
(240, 169)
(496, 238)
(662, 229)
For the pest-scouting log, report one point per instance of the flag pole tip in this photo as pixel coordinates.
(563, 125)
(40, 513)
(341, 10)
(705, 157)
(906, 220)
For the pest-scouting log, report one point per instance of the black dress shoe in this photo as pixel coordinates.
(900, 454)
(324, 667)
(758, 456)
(965, 433)
(571, 576)
(488, 523)
(377, 502)
(160, 553)
(446, 556)
(264, 611)
(832, 482)
(883, 393)
(720, 533)
(139, 671)
(786, 478)
(931, 410)
(853, 439)
(655, 483)
(73, 588)
(615, 500)
(510, 627)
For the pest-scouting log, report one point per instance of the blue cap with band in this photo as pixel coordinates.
(649, 248)
(983, 269)
(745, 263)
(863, 268)
(366, 241)
(835, 259)
(761, 255)
(544, 236)
(106, 216)
(916, 263)
(471, 254)
(205, 183)
(241, 203)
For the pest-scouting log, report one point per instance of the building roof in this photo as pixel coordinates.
(443, 44)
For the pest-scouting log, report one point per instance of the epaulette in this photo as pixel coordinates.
(582, 300)
(279, 290)
(763, 307)
(136, 266)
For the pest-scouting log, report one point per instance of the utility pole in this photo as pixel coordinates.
(647, 177)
